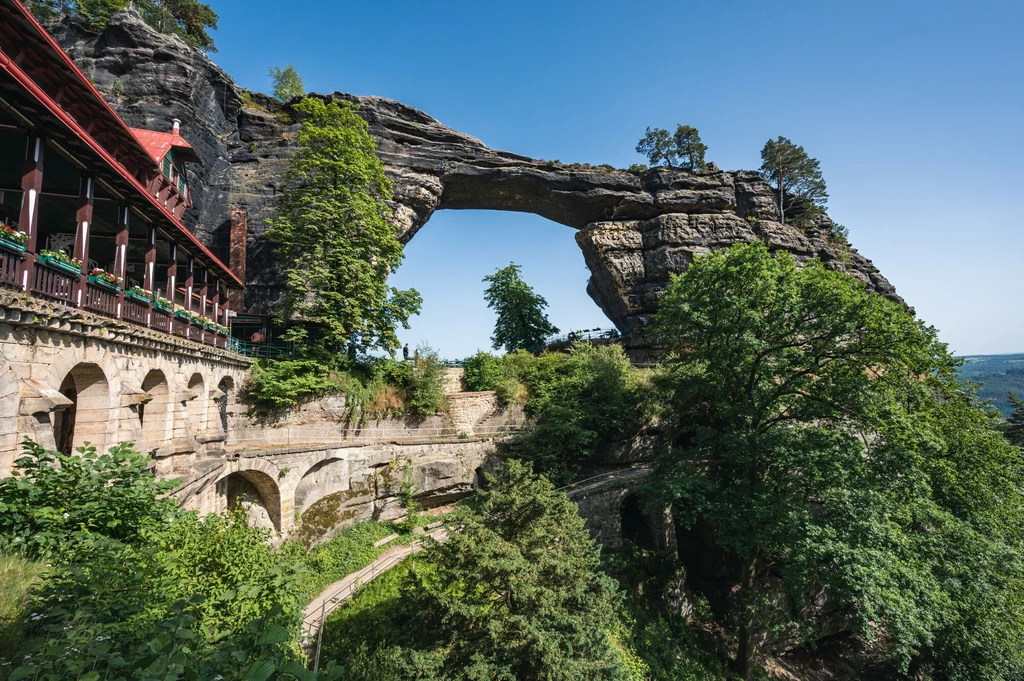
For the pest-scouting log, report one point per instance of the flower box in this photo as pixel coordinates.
(183, 315)
(161, 307)
(138, 297)
(97, 280)
(13, 246)
(66, 267)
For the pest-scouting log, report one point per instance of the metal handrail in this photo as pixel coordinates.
(304, 435)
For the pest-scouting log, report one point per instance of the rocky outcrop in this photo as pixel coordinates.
(634, 230)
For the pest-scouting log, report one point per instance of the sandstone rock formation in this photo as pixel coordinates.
(634, 230)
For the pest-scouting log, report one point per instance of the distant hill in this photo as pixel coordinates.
(997, 375)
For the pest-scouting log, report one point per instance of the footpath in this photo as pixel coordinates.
(343, 589)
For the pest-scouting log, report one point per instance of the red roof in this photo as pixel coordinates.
(157, 144)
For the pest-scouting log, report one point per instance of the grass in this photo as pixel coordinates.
(17, 577)
(367, 617)
(353, 549)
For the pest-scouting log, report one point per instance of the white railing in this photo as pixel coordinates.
(308, 435)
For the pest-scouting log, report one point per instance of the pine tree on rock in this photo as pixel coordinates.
(794, 175)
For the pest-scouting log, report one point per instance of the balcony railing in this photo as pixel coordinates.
(53, 283)
(9, 267)
(98, 299)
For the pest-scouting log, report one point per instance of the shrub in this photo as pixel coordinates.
(424, 385)
(52, 498)
(278, 384)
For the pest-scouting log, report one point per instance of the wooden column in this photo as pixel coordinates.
(121, 253)
(149, 278)
(31, 188)
(86, 195)
(216, 301)
(203, 291)
(189, 280)
(172, 275)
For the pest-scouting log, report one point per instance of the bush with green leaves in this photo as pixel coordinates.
(52, 497)
(514, 593)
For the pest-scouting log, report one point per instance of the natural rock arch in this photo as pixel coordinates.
(634, 230)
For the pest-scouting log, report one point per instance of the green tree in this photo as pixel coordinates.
(658, 146)
(795, 175)
(689, 148)
(188, 19)
(594, 399)
(683, 149)
(336, 244)
(514, 593)
(820, 432)
(521, 323)
(1015, 424)
(286, 83)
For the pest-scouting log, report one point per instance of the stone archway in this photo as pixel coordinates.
(258, 493)
(224, 402)
(197, 406)
(89, 414)
(636, 526)
(321, 480)
(155, 416)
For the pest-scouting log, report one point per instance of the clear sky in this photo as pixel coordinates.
(914, 109)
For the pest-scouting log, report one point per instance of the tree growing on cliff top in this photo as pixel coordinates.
(683, 149)
(521, 323)
(335, 242)
(187, 19)
(286, 83)
(822, 438)
(794, 175)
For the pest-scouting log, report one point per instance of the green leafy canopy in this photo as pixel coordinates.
(819, 429)
(521, 322)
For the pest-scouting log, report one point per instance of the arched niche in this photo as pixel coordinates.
(636, 526)
(198, 405)
(258, 493)
(155, 416)
(88, 416)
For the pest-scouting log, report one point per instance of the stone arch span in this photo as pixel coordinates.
(257, 490)
(88, 416)
(635, 230)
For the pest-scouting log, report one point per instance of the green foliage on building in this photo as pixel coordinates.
(521, 322)
(819, 429)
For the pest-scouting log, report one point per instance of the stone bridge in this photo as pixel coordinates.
(613, 512)
(330, 486)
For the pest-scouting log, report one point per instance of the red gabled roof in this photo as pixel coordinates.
(78, 80)
(157, 144)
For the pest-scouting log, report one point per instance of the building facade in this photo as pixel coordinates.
(113, 316)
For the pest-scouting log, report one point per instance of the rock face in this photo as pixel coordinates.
(634, 230)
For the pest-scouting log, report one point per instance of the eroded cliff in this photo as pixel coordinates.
(634, 230)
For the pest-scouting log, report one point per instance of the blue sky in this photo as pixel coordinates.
(914, 109)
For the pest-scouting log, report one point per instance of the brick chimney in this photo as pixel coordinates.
(236, 251)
